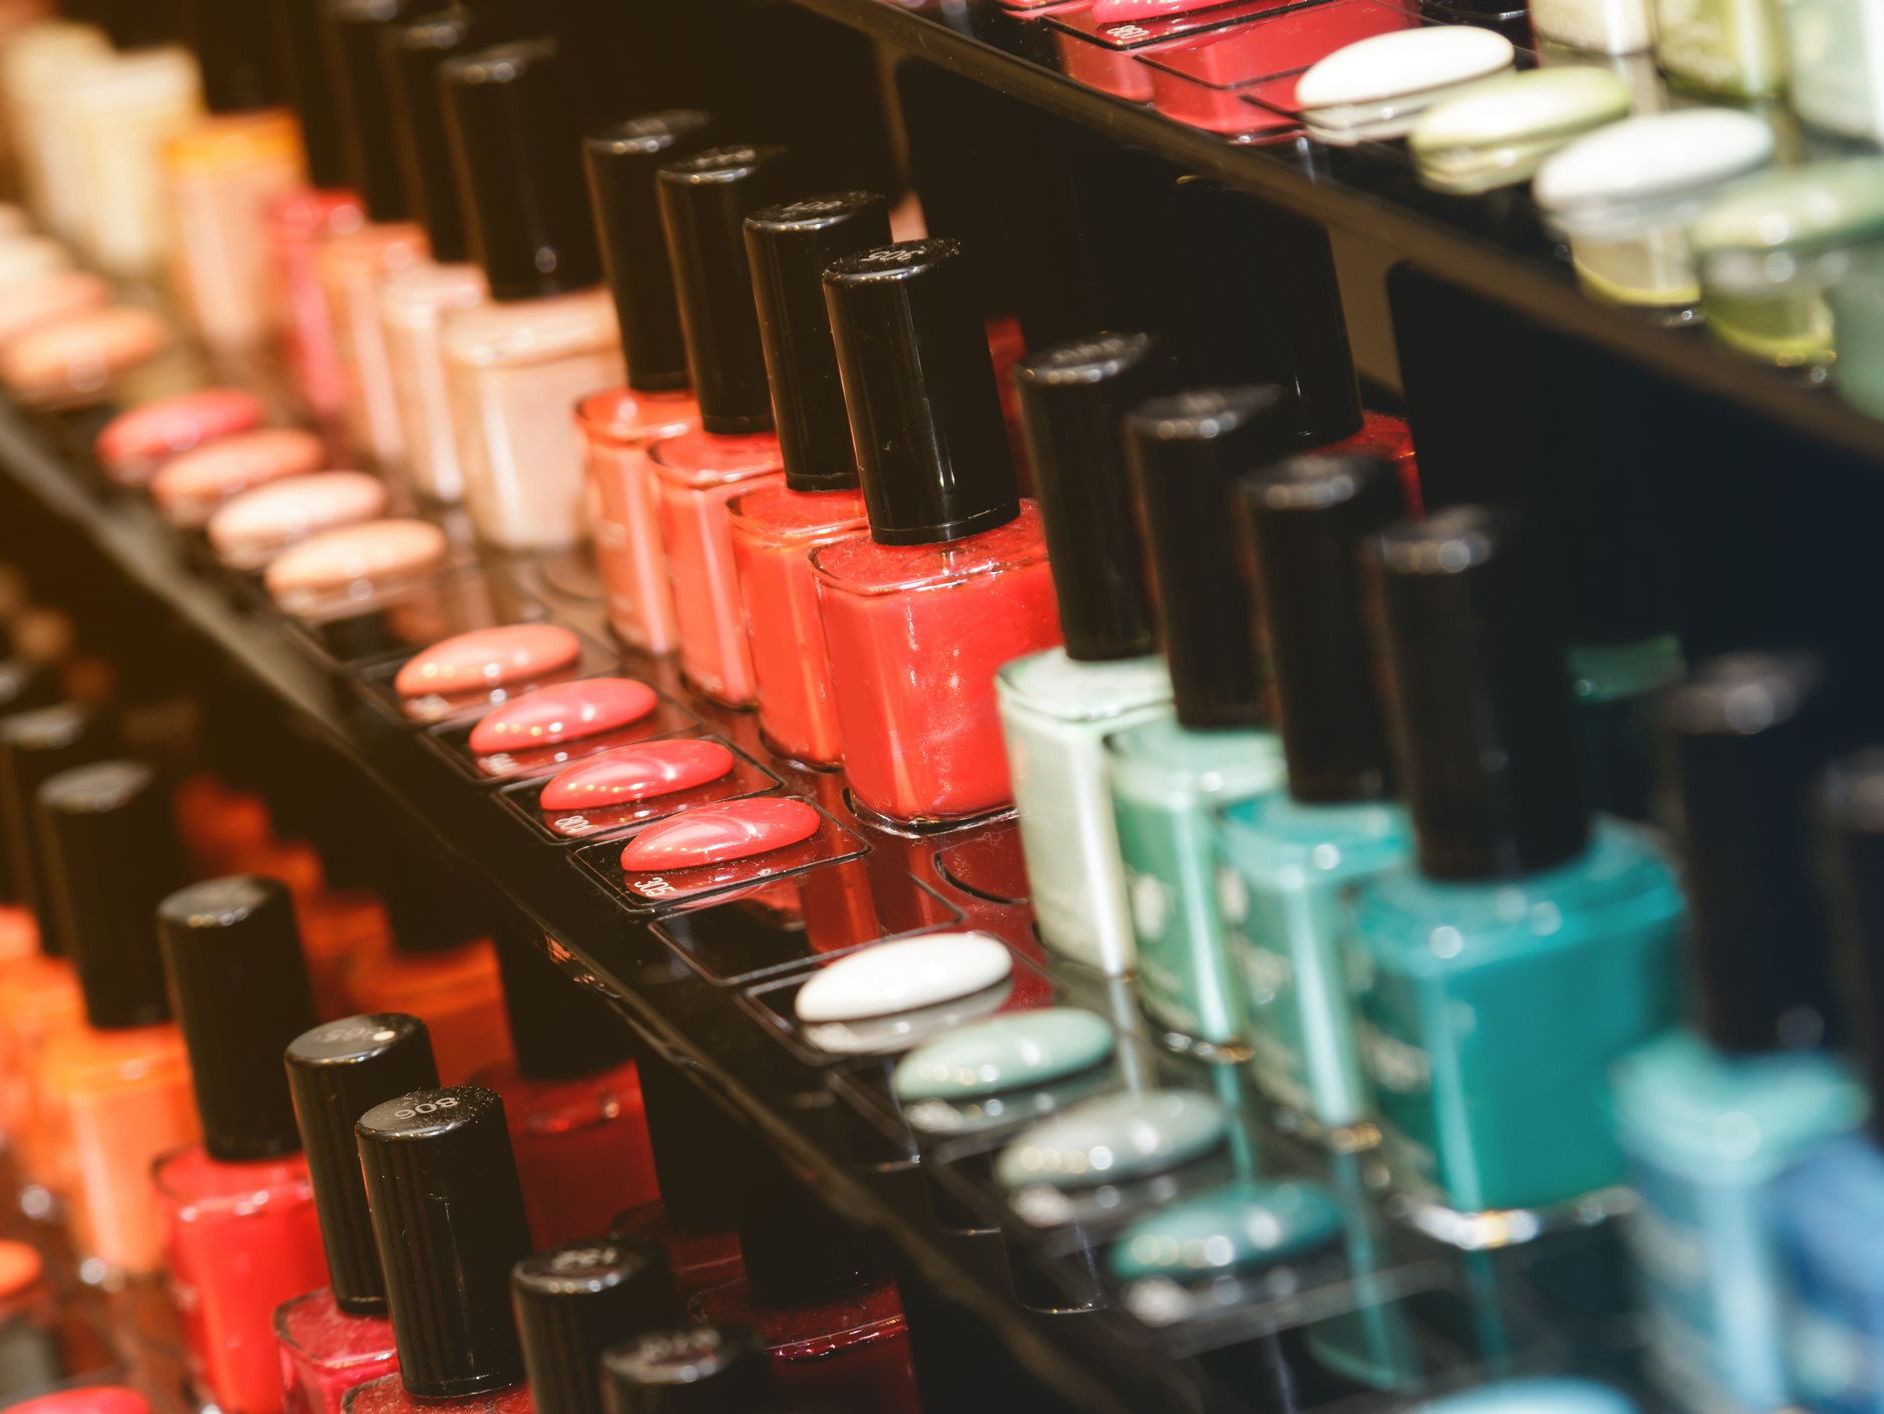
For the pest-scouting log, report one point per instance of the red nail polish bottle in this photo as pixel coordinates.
(449, 1223)
(618, 426)
(338, 1337)
(690, 1370)
(705, 200)
(776, 528)
(952, 581)
(241, 1232)
(573, 1100)
(576, 1300)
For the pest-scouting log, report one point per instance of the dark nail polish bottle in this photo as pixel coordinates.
(576, 1300)
(691, 1370)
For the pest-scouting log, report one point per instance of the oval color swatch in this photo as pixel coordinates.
(489, 657)
(1115, 1139)
(1006, 1053)
(256, 524)
(170, 427)
(368, 554)
(1245, 1226)
(1540, 1396)
(82, 353)
(562, 713)
(719, 834)
(632, 773)
(189, 488)
(904, 976)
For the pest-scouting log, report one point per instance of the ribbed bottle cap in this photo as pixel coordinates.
(925, 416)
(797, 1251)
(622, 162)
(1307, 520)
(1074, 398)
(697, 1149)
(430, 907)
(35, 747)
(1479, 697)
(448, 1218)
(354, 29)
(559, 1029)
(336, 1073)
(1751, 735)
(413, 54)
(239, 986)
(1185, 453)
(790, 247)
(1854, 808)
(690, 1370)
(302, 49)
(111, 858)
(705, 200)
(575, 1301)
(235, 49)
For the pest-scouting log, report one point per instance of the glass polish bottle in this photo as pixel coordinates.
(1058, 706)
(575, 1300)
(1295, 859)
(776, 528)
(116, 1090)
(1171, 776)
(448, 1220)
(517, 364)
(695, 1369)
(619, 424)
(1712, 1115)
(241, 1234)
(1495, 1130)
(338, 1337)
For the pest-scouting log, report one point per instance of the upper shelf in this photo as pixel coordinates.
(1488, 245)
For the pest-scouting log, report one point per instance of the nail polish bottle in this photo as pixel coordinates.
(242, 1236)
(705, 200)
(952, 581)
(353, 261)
(1827, 1206)
(449, 1223)
(338, 1337)
(1497, 1130)
(577, 1299)
(1734, 48)
(115, 1091)
(223, 173)
(1057, 707)
(39, 69)
(1172, 775)
(690, 1370)
(573, 1100)
(1712, 1116)
(1293, 859)
(775, 528)
(25, 685)
(414, 301)
(517, 365)
(619, 424)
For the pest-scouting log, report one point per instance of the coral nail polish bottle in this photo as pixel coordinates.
(577, 1299)
(1058, 707)
(241, 1231)
(24, 687)
(573, 1100)
(619, 424)
(690, 1370)
(449, 1223)
(338, 1337)
(516, 365)
(115, 1092)
(952, 581)
(705, 200)
(1172, 776)
(775, 528)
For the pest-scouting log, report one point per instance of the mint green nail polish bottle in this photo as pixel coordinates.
(1529, 947)
(1295, 859)
(1170, 777)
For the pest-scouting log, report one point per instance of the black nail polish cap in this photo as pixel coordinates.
(1751, 735)
(239, 987)
(705, 200)
(441, 1184)
(797, 1251)
(111, 858)
(301, 46)
(559, 1029)
(354, 28)
(1074, 398)
(516, 146)
(622, 161)
(35, 747)
(925, 416)
(1306, 521)
(1479, 698)
(1853, 805)
(336, 1073)
(234, 43)
(790, 247)
(690, 1370)
(697, 1149)
(575, 1301)
(412, 54)
(1185, 453)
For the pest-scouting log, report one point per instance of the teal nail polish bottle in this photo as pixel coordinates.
(1171, 777)
(1295, 859)
(1616, 686)
(1712, 1116)
(1529, 948)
